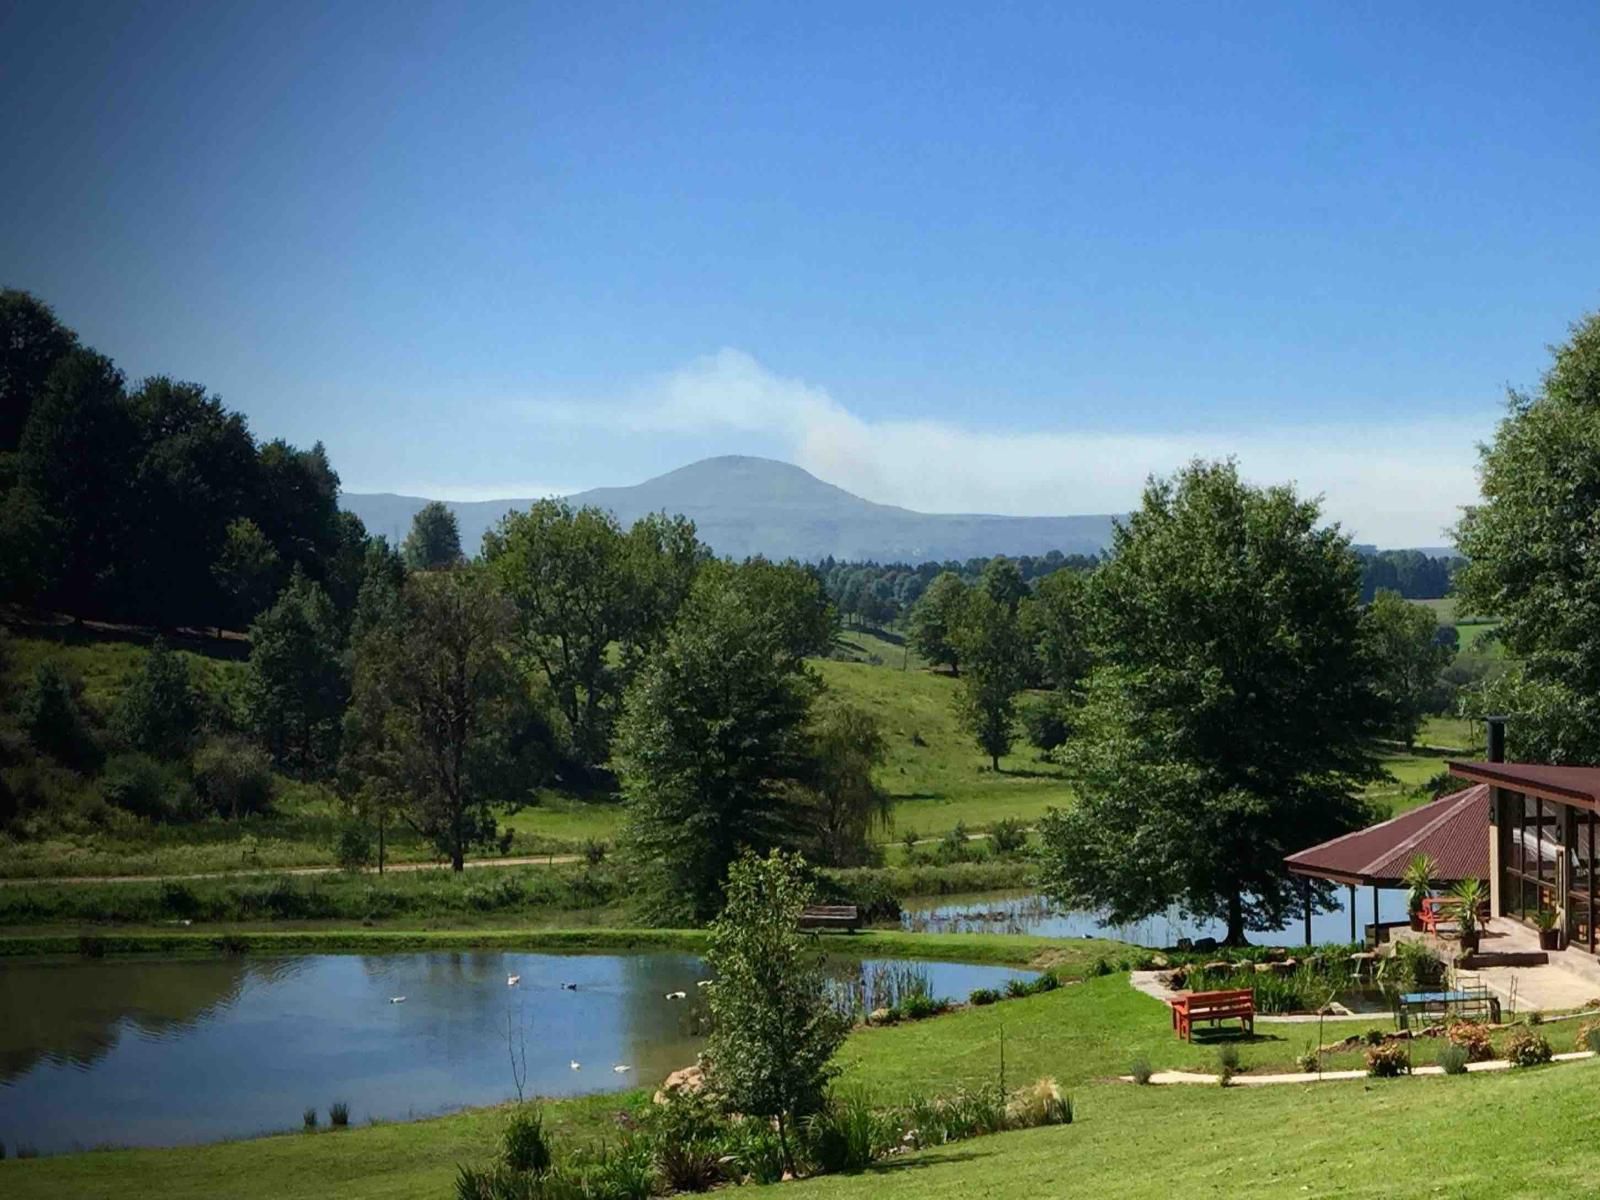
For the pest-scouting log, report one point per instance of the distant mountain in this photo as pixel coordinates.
(743, 506)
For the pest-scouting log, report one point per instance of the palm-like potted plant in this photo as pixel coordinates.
(1418, 879)
(1549, 932)
(1468, 896)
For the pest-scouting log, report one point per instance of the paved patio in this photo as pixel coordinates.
(1570, 980)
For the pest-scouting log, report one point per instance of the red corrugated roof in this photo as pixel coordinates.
(1571, 785)
(1453, 831)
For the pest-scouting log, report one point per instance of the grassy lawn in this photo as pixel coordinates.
(1516, 1134)
(1372, 1138)
(934, 772)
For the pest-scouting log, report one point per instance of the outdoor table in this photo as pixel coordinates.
(1440, 1004)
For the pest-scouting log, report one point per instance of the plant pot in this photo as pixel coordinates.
(1416, 923)
(1469, 942)
(1549, 939)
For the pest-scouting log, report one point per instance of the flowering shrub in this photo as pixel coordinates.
(1388, 1060)
(1526, 1048)
(1473, 1038)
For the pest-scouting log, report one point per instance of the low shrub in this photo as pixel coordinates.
(309, 1118)
(689, 1166)
(139, 784)
(687, 1131)
(1008, 836)
(1041, 1103)
(525, 1145)
(982, 996)
(1453, 1057)
(847, 1134)
(1017, 988)
(754, 1152)
(1472, 1038)
(233, 778)
(1588, 1037)
(594, 851)
(1140, 1069)
(1524, 1048)
(1228, 1057)
(1535, 1018)
(339, 1114)
(498, 1182)
(919, 1005)
(1310, 1062)
(624, 1171)
(1375, 1037)
(353, 850)
(1389, 1060)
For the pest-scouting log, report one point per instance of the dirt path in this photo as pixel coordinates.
(525, 860)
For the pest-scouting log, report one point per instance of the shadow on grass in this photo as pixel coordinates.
(933, 1156)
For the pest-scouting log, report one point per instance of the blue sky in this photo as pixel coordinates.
(955, 256)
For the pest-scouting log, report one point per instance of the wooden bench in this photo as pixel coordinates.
(1232, 1004)
(831, 916)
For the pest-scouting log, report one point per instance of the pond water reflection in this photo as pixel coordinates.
(160, 1052)
(1029, 912)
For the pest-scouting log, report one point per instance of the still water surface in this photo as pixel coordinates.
(162, 1052)
(1025, 912)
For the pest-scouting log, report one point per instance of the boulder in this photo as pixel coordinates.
(689, 1081)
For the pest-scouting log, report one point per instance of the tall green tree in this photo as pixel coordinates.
(591, 603)
(1232, 718)
(295, 688)
(774, 1032)
(195, 473)
(80, 418)
(935, 619)
(713, 743)
(32, 341)
(439, 724)
(247, 571)
(846, 804)
(990, 641)
(1055, 621)
(1408, 657)
(1003, 582)
(435, 539)
(1530, 555)
(158, 712)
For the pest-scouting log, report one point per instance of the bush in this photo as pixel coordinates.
(754, 1152)
(1310, 1062)
(309, 1118)
(1040, 1104)
(234, 778)
(1588, 1037)
(846, 1135)
(51, 716)
(625, 1171)
(1473, 1038)
(982, 996)
(1415, 966)
(1008, 836)
(353, 850)
(954, 846)
(1017, 988)
(1454, 1058)
(525, 1145)
(1140, 1069)
(1227, 1063)
(1388, 1060)
(498, 1182)
(919, 1005)
(1375, 1037)
(155, 791)
(687, 1131)
(594, 851)
(1524, 1048)
(338, 1114)
(1044, 721)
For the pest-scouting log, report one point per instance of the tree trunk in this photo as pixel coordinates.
(1235, 920)
(995, 759)
(380, 841)
(783, 1147)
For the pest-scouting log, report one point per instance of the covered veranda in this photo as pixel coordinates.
(1453, 831)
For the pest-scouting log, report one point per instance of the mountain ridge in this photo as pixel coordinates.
(743, 505)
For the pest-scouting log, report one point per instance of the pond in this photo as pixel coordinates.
(163, 1052)
(1028, 912)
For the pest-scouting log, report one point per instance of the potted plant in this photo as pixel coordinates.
(1549, 934)
(1468, 896)
(1418, 879)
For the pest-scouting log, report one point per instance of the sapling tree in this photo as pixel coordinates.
(774, 1030)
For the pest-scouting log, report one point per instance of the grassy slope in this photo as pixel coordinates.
(1128, 1141)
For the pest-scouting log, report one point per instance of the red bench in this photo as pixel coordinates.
(1445, 910)
(1232, 1004)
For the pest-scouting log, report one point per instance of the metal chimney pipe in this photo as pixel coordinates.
(1496, 727)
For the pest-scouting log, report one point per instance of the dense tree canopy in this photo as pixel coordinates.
(32, 341)
(440, 719)
(713, 743)
(1408, 655)
(435, 539)
(935, 619)
(1231, 718)
(295, 689)
(1531, 555)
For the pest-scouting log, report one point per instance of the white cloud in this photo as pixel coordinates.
(1396, 483)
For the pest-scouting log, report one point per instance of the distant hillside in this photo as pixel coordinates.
(745, 506)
